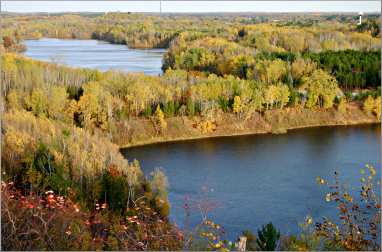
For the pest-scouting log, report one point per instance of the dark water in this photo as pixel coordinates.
(96, 54)
(251, 180)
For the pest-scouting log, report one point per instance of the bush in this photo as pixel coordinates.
(53, 222)
(341, 107)
(47, 222)
(377, 107)
(224, 103)
(360, 221)
(368, 105)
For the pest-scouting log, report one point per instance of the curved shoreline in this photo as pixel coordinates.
(161, 140)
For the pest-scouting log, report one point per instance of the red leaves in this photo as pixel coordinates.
(113, 171)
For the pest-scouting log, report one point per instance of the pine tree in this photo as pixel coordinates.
(268, 238)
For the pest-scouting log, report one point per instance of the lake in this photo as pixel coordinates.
(243, 182)
(248, 181)
(96, 54)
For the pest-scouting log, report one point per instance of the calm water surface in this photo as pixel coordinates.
(96, 54)
(251, 180)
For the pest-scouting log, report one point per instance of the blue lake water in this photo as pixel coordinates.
(248, 181)
(96, 54)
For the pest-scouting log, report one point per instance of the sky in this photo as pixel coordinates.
(191, 6)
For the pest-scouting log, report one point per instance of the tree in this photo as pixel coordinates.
(271, 94)
(7, 42)
(293, 41)
(321, 88)
(37, 102)
(237, 106)
(301, 67)
(160, 121)
(284, 94)
(368, 105)
(268, 238)
(94, 106)
(258, 100)
(58, 100)
(241, 65)
(271, 71)
(159, 185)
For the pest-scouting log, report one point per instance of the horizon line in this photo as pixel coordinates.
(210, 12)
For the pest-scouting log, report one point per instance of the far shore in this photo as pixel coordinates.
(273, 122)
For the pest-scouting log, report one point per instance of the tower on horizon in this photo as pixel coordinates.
(360, 18)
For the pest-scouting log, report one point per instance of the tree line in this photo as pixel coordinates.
(352, 69)
(152, 31)
(98, 101)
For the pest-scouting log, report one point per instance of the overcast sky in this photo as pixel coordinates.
(191, 6)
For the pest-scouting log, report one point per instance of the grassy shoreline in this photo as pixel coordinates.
(273, 122)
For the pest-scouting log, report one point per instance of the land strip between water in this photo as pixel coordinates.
(142, 131)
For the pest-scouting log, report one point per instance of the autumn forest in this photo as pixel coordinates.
(65, 183)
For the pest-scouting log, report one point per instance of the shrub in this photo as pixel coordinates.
(224, 103)
(368, 105)
(377, 107)
(341, 107)
(359, 226)
(53, 222)
(47, 222)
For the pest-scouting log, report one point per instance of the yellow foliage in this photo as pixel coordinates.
(37, 102)
(301, 67)
(270, 71)
(207, 126)
(377, 107)
(94, 105)
(237, 105)
(369, 104)
(321, 87)
(13, 100)
(342, 105)
(87, 155)
(58, 100)
(160, 121)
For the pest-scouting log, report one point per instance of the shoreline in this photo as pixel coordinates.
(246, 133)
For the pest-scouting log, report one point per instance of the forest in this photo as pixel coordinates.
(65, 184)
(283, 32)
